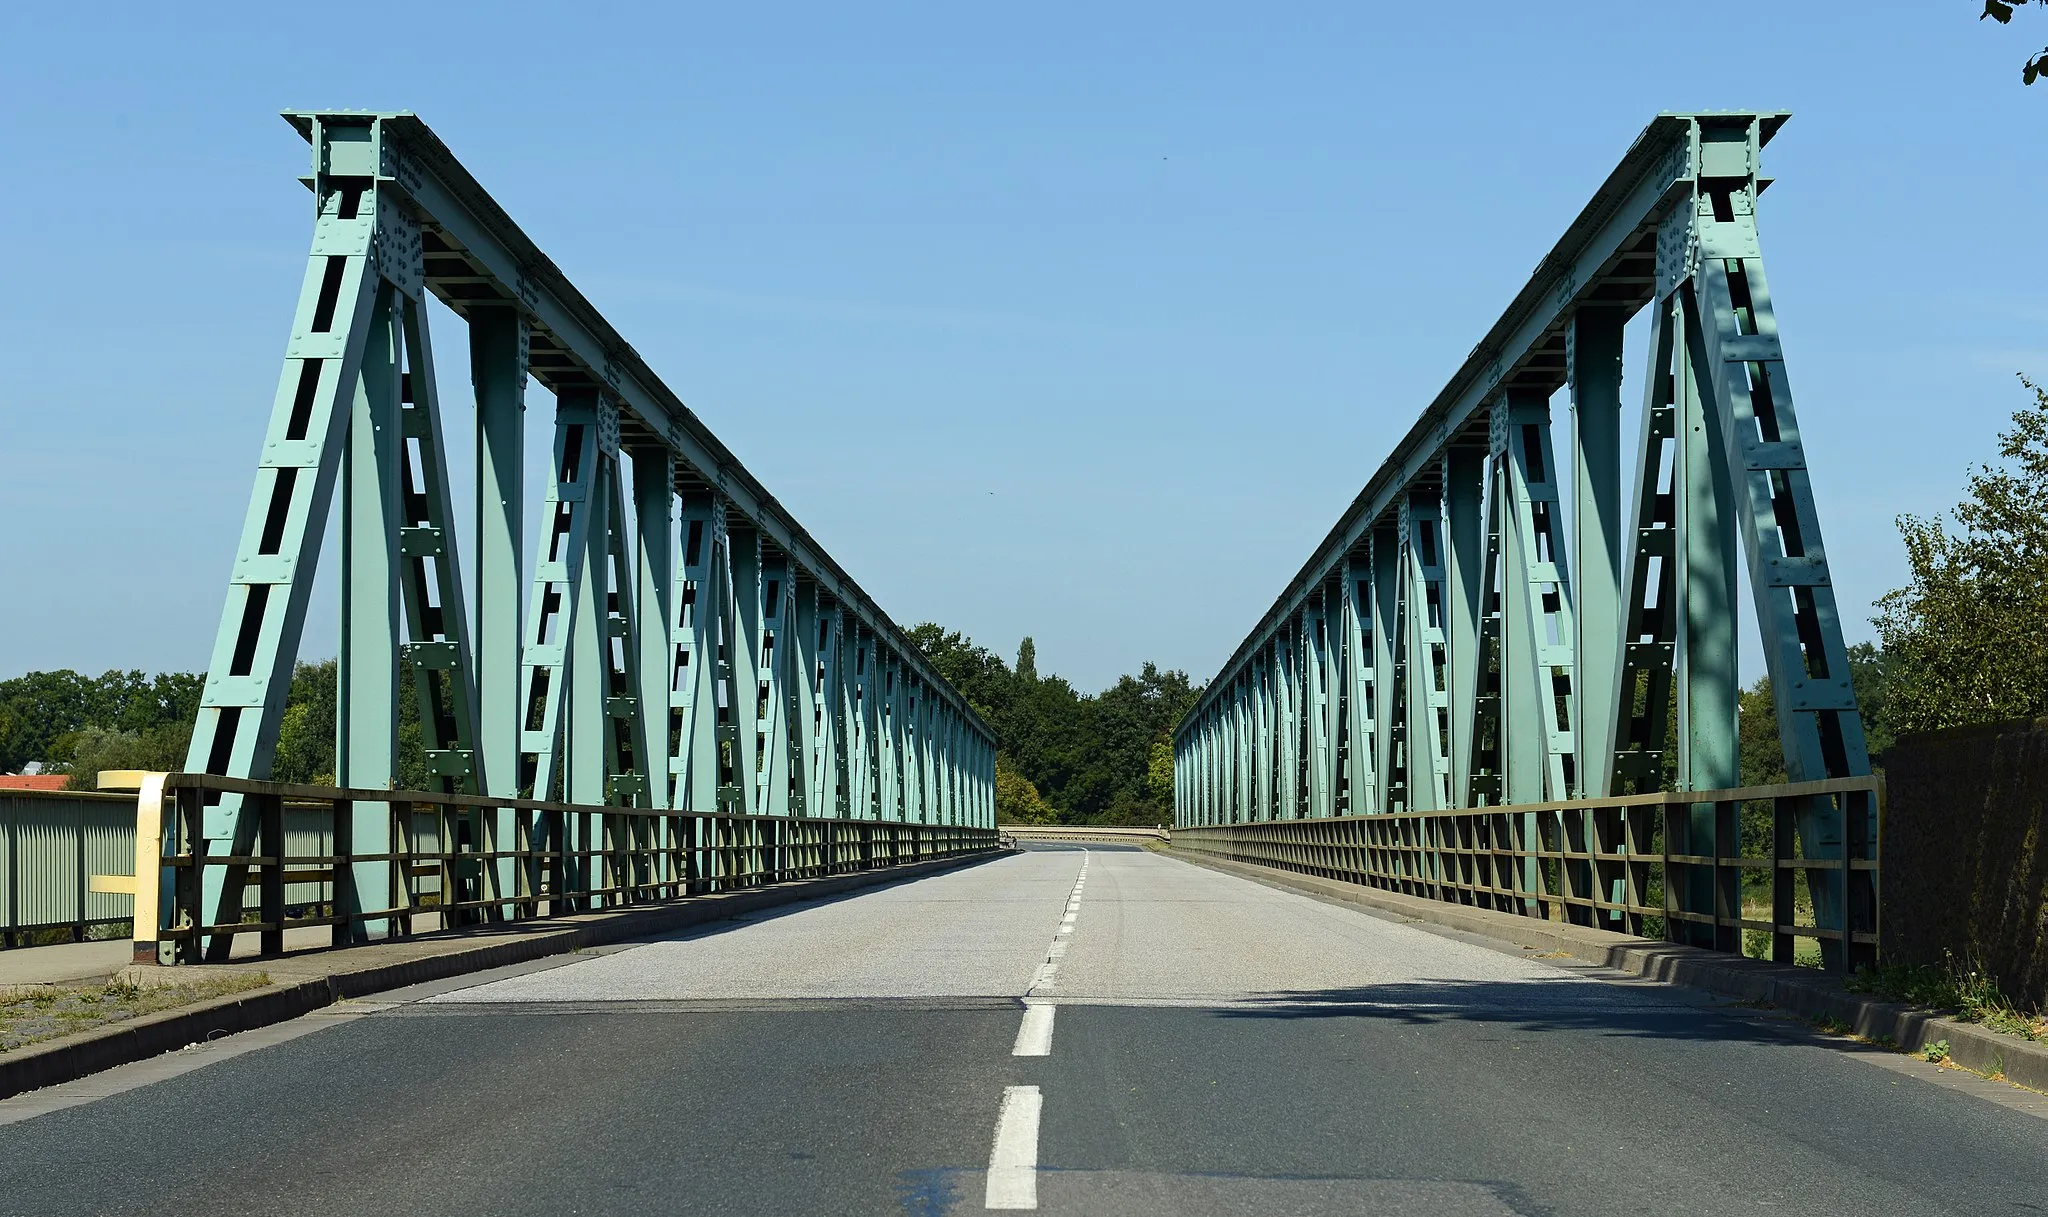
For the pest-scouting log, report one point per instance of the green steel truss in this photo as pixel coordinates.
(1462, 638)
(683, 646)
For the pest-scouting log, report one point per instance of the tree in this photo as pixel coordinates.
(1964, 639)
(39, 709)
(305, 736)
(95, 749)
(1103, 759)
(2001, 11)
(1017, 800)
(1763, 753)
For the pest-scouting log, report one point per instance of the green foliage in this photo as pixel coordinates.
(2001, 11)
(1964, 638)
(93, 749)
(1960, 987)
(82, 725)
(1017, 800)
(38, 709)
(1763, 755)
(1937, 1052)
(305, 736)
(1105, 758)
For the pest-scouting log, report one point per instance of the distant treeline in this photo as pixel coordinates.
(1064, 756)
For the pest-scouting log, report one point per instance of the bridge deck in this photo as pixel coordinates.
(1216, 1046)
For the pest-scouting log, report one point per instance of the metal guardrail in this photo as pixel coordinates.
(465, 859)
(1615, 863)
(1067, 832)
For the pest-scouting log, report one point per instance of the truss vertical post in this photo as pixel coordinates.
(560, 555)
(366, 685)
(1593, 351)
(1709, 755)
(1390, 759)
(438, 652)
(1316, 704)
(829, 719)
(1649, 636)
(498, 342)
(1245, 810)
(769, 701)
(1464, 521)
(896, 740)
(693, 688)
(1536, 591)
(497, 358)
(654, 562)
(1428, 651)
(744, 552)
(587, 659)
(916, 747)
(1593, 362)
(1286, 722)
(1265, 795)
(1362, 761)
(803, 701)
(860, 718)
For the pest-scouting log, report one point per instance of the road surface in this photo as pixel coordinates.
(1100, 1031)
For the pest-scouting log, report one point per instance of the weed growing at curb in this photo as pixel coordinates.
(32, 1014)
(1960, 987)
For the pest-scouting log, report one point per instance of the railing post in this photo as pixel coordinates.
(152, 913)
(270, 895)
(344, 878)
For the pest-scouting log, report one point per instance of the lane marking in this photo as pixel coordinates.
(1034, 1034)
(1013, 1160)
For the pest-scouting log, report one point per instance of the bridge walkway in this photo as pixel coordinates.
(1213, 1045)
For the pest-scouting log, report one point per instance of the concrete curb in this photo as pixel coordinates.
(1803, 991)
(307, 982)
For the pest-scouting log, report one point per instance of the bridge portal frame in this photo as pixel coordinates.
(654, 664)
(1553, 677)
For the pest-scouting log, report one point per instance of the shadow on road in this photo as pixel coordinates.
(1564, 1004)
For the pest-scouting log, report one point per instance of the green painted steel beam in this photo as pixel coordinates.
(1523, 348)
(407, 156)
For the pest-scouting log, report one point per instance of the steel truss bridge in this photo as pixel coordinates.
(1503, 690)
(672, 641)
(1468, 691)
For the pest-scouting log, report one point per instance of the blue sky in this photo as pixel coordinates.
(1082, 321)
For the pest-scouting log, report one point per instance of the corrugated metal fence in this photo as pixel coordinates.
(53, 841)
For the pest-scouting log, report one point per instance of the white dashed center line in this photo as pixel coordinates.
(1034, 1036)
(1013, 1162)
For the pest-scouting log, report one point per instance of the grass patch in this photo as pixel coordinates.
(1954, 987)
(45, 1012)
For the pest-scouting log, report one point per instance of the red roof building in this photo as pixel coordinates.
(33, 781)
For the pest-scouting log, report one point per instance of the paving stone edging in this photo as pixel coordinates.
(1802, 991)
(310, 981)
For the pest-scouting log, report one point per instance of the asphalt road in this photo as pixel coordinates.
(1195, 1044)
